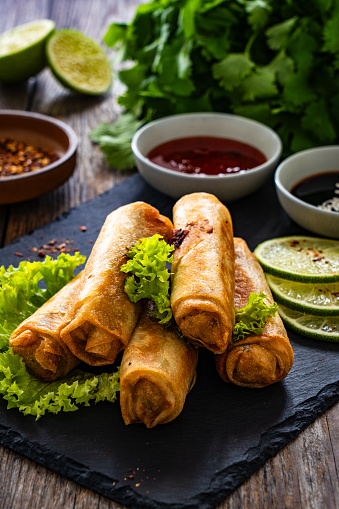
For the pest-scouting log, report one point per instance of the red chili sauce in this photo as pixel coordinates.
(206, 155)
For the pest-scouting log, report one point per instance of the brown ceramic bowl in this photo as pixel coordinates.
(40, 131)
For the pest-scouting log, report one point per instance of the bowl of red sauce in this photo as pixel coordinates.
(222, 154)
(307, 185)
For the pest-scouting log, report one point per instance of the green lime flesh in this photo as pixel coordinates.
(300, 258)
(78, 62)
(317, 299)
(325, 328)
(22, 50)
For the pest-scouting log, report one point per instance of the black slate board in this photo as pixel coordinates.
(224, 432)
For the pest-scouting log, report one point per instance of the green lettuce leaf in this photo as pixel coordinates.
(23, 290)
(251, 318)
(33, 397)
(150, 277)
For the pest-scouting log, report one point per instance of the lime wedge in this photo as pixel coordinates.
(299, 258)
(22, 50)
(316, 299)
(325, 328)
(78, 62)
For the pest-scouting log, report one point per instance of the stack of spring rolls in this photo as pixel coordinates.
(92, 319)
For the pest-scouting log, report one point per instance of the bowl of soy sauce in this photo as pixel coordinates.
(307, 185)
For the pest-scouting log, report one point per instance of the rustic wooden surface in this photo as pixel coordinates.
(305, 473)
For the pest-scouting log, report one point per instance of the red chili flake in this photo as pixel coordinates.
(83, 228)
(318, 259)
(52, 242)
(130, 477)
(114, 483)
(17, 158)
(34, 249)
(41, 253)
(18, 254)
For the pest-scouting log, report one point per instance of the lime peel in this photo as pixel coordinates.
(325, 328)
(317, 299)
(22, 50)
(300, 258)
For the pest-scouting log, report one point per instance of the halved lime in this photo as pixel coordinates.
(22, 50)
(78, 62)
(317, 299)
(325, 328)
(299, 258)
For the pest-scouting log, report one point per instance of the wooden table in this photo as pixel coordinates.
(306, 472)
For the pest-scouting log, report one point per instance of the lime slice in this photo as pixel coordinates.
(317, 327)
(316, 299)
(78, 62)
(299, 258)
(22, 50)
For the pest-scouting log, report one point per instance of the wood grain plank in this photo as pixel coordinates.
(305, 473)
(31, 486)
(92, 175)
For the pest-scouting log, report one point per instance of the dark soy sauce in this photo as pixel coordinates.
(318, 188)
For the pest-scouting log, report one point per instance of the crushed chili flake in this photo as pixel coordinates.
(54, 246)
(318, 259)
(18, 254)
(17, 157)
(83, 228)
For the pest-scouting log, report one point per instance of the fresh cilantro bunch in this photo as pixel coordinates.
(20, 296)
(150, 277)
(251, 318)
(276, 61)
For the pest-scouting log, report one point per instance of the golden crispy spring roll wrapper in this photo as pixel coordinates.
(202, 297)
(101, 318)
(37, 339)
(258, 360)
(158, 370)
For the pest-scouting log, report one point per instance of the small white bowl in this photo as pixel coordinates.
(294, 169)
(226, 187)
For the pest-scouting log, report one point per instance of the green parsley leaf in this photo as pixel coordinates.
(231, 70)
(268, 58)
(115, 140)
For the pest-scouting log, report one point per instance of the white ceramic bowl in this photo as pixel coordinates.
(294, 169)
(226, 187)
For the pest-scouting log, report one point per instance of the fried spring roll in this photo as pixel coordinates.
(202, 297)
(37, 339)
(101, 318)
(158, 370)
(258, 360)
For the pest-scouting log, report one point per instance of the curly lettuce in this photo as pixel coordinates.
(149, 276)
(251, 319)
(22, 291)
